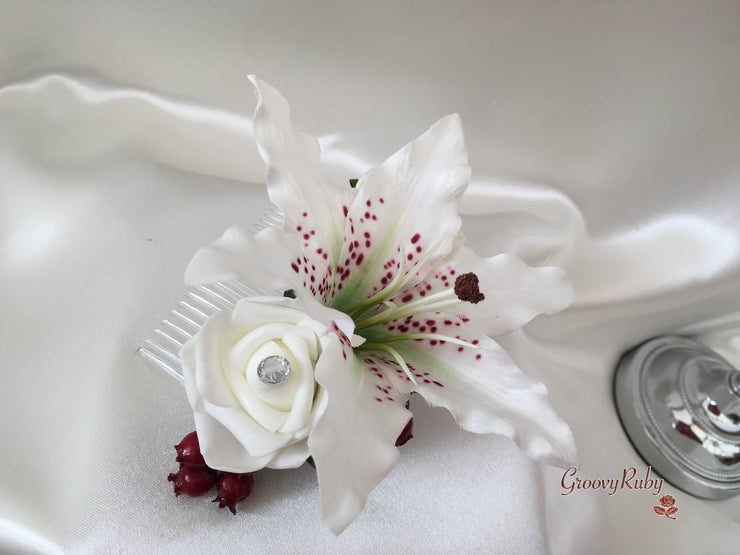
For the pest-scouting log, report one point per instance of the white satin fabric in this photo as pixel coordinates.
(604, 138)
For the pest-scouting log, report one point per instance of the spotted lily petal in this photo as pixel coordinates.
(353, 443)
(405, 211)
(514, 292)
(485, 391)
(312, 207)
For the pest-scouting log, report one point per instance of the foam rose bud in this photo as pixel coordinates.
(233, 488)
(193, 481)
(188, 451)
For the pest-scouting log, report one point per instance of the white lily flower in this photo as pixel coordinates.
(389, 254)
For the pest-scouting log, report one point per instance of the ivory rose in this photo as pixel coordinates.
(243, 423)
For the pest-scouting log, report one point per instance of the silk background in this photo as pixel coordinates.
(604, 137)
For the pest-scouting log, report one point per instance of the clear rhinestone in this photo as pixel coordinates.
(273, 370)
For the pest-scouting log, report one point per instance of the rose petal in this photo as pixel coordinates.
(302, 405)
(204, 350)
(267, 408)
(353, 443)
(221, 450)
(291, 456)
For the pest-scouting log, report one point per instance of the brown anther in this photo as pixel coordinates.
(466, 288)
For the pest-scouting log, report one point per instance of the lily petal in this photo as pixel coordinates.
(514, 292)
(353, 443)
(238, 254)
(323, 313)
(405, 209)
(312, 207)
(486, 393)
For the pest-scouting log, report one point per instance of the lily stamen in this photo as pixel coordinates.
(399, 280)
(436, 302)
(395, 354)
(437, 336)
(465, 289)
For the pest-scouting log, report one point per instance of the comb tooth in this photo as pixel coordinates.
(167, 325)
(197, 299)
(162, 347)
(168, 338)
(226, 292)
(218, 302)
(154, 347)
(160, 362)
(196, 313)
(240, 289)
(187, 321)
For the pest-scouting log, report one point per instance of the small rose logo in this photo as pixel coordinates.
(667, 509)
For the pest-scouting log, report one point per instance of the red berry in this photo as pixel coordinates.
(193, 480)
(233, 488)
(405, 434)
(188, 451)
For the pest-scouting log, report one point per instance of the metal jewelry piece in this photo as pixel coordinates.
(274, 370)
(679, 403)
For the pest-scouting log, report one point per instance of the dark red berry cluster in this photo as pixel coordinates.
(196, 478)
